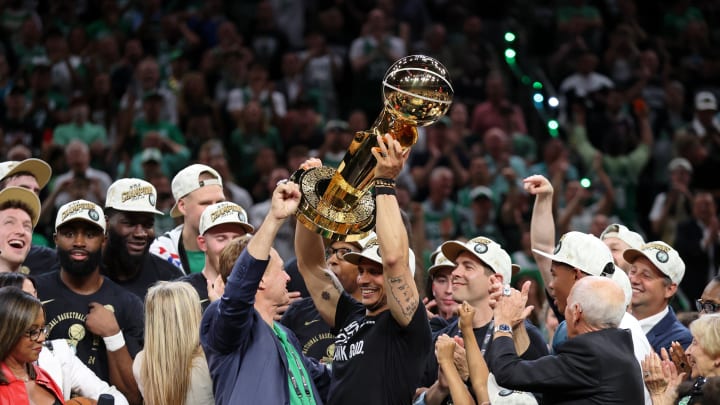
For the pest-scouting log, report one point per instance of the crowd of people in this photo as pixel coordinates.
(145, 210)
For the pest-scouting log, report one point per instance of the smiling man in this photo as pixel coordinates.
(130, 213)
(102, 321)
(656, 272)
(381, 339)
(19, 213)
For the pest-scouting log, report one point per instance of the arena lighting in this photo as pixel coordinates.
(553, 124)
(537, 86)
(585, 182)
(510, 54)
(509, 36)
(538, 98)
(553, 102)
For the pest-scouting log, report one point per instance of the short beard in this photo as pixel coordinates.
(118, 261)
(79, 269)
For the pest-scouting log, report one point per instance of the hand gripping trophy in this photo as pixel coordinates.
(337, 203)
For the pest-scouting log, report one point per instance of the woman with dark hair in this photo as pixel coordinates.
(21, 337)
(59, 360)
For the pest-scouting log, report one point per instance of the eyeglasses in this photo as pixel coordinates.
(706, 306)
(339, 252)
(34, 334)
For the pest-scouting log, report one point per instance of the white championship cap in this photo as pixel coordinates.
(224, 213)
(633, 239)
(83, 210)
(501, 396)
(188, 180)
(371, 251)
(485, 250)
(133, 195)
(666, 259)
(584, 252)
(441, 262)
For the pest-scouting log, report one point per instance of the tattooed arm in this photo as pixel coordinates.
(324, 287)
(402, 294)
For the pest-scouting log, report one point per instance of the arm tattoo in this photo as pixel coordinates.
(403, 295)
(326, 296)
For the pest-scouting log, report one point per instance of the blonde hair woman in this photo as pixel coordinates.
(172, 368)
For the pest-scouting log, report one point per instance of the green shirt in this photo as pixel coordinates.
(88, 133)
(196, 260)
(299, 382)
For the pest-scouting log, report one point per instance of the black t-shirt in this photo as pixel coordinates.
(154, 269)
(537, 348)
(376, 360)
(311, 330)
(41, 260)
(199, 282)
(65, 313)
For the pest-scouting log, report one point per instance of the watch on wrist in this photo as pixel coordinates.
(503, 327)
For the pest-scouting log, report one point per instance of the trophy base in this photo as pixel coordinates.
(347, 217)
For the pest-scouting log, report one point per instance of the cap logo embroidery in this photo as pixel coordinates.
(93, 215)
(372, 242)
(481, 244)
(558, 247)
(72, 209)
(137, 192)
(151, 199)
(662, 257)
(227, 210)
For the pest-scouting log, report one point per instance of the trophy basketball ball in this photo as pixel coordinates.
(337, 203)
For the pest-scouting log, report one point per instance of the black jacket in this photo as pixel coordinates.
(592, 368)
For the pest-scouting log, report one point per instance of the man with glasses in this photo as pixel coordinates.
(709, 301)
(101, 320)
(303, 317)
(656, 272)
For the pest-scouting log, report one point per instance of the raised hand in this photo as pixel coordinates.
(678, 357)
(537, 185)
(466, 313)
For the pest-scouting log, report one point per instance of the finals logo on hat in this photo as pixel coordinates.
(132, 195)
(224, 213)
(83, 210)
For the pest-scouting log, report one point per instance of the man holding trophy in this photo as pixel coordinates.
(380, 337)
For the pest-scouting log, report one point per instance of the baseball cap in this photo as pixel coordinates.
(441, 262)
(188, 180)
(662, 256)
(584, 252)
(480, 191)
(133, 195)
(336, 125)
(82, 210)
(705, 100)
(502, 396)
(224, 213)
(371, 251)
(633, 239)
(151, 154)
(485, 250)
(36, 167)
(680, 163)
(24, 196)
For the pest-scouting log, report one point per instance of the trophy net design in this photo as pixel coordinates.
(337, 203)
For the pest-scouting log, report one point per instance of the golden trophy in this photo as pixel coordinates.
(337, 203)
